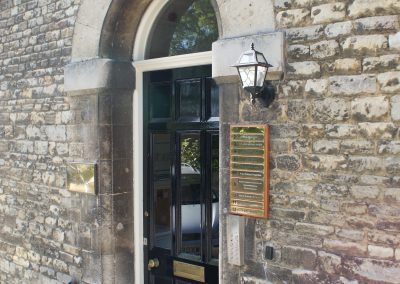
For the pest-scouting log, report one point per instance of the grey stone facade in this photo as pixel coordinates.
(335, 141)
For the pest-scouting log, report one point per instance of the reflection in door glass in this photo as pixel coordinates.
(189, 92)
(215, 196)
(190, 188)
(161, 190)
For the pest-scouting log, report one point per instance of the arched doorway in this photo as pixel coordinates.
(176, 145)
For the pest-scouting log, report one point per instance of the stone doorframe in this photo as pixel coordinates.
(111, 34)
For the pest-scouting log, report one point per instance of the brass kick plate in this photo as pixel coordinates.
(189, 271)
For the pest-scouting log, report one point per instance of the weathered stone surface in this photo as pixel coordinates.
(298, 51)
(394, 41)
(364, 44)
(383, 130)
(338, 29)
(316, 87)
(395, 102)
(370, 108)
(326, 146)
(369, 270)
(313, 229)
(376, 23)
(292, 18)
(299, 257)
(331, 109)
(347, 66)
(389, 82)
(349, 248)
(326, 13)
(352, 85)
(305, 34)
(381, 63)
(304, 69)
(364, 192)
(331, 263)
(361, 8)
(324, 49)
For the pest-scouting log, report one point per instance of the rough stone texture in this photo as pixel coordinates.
(335, 151)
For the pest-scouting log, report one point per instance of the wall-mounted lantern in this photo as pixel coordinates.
(252, 68)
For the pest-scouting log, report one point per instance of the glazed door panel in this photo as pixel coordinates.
(181, 190)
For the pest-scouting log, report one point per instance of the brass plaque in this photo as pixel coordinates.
(81, 177)
(189, 271)
(249, 194)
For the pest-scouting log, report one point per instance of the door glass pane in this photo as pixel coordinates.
(161, 190)
(213, 98)
(215, 196)
(189, 96)
(160, 100)
(190, 189)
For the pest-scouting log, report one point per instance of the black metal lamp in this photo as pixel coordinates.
(252, 68)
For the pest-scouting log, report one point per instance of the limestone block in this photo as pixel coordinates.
(326, 146)
(341, 130)
(361, 8)
(365, 164)
(364, 44)
(305, 69)
(383, 130)
(389, 82)
(353, 235)
(299, 257)
(305, 33)
(395, 101)
(376, 23)
(314, 229)
(357, 147)
(316, 87)
(331, 109)
(292, 18)
(324, 49)
(382, 63)
(364, 192)
(327, 13)
(347, 65)
(298, 51)
(351, 85)
(392, 195)
(349, 248)
(394, 41)
(370, 108)
(331, 263)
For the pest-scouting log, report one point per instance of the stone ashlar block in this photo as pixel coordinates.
(329, 262)
(364, 192)
(327, 13)
(381, 130)
(347, 66)
(316, 87)
(381, 63)
(331, 109)
(364, 44)
(370, 108)
(299, 257)
(349, 248)
(324, 49)
(360, 8)
(376, 24)
(293, 18)
(305, 33)
(394, 41)
(338, 29)
(353, 85)
(389, 82)
(395, 102)
(305, 69)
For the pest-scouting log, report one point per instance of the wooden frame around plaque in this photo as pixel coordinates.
(249, 170)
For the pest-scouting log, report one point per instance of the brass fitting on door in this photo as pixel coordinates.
(153, 263)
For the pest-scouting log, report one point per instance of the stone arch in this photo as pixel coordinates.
(107, 28)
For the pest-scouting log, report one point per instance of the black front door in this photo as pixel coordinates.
(181, 189)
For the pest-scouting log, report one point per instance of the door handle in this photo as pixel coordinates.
(153, 263)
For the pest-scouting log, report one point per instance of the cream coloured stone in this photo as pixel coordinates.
(316, 87)
(347, 65)
(327, 13)
(380, 252)
(292, 18)
(394, 41)
(365, 44)
(370, 108)
(324, 49)
(350, 85)
(304, 69)
(395, 107)
(389, 82)
(369, 7)
(338, 29)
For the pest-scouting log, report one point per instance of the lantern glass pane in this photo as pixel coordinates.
(247, 58)
(261, 72)
(261, 58)
(247, 75)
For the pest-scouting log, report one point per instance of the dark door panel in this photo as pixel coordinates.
(181, 174)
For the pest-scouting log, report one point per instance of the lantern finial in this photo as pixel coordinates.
(252, 46)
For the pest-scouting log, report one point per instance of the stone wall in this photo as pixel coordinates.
(335, 148)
